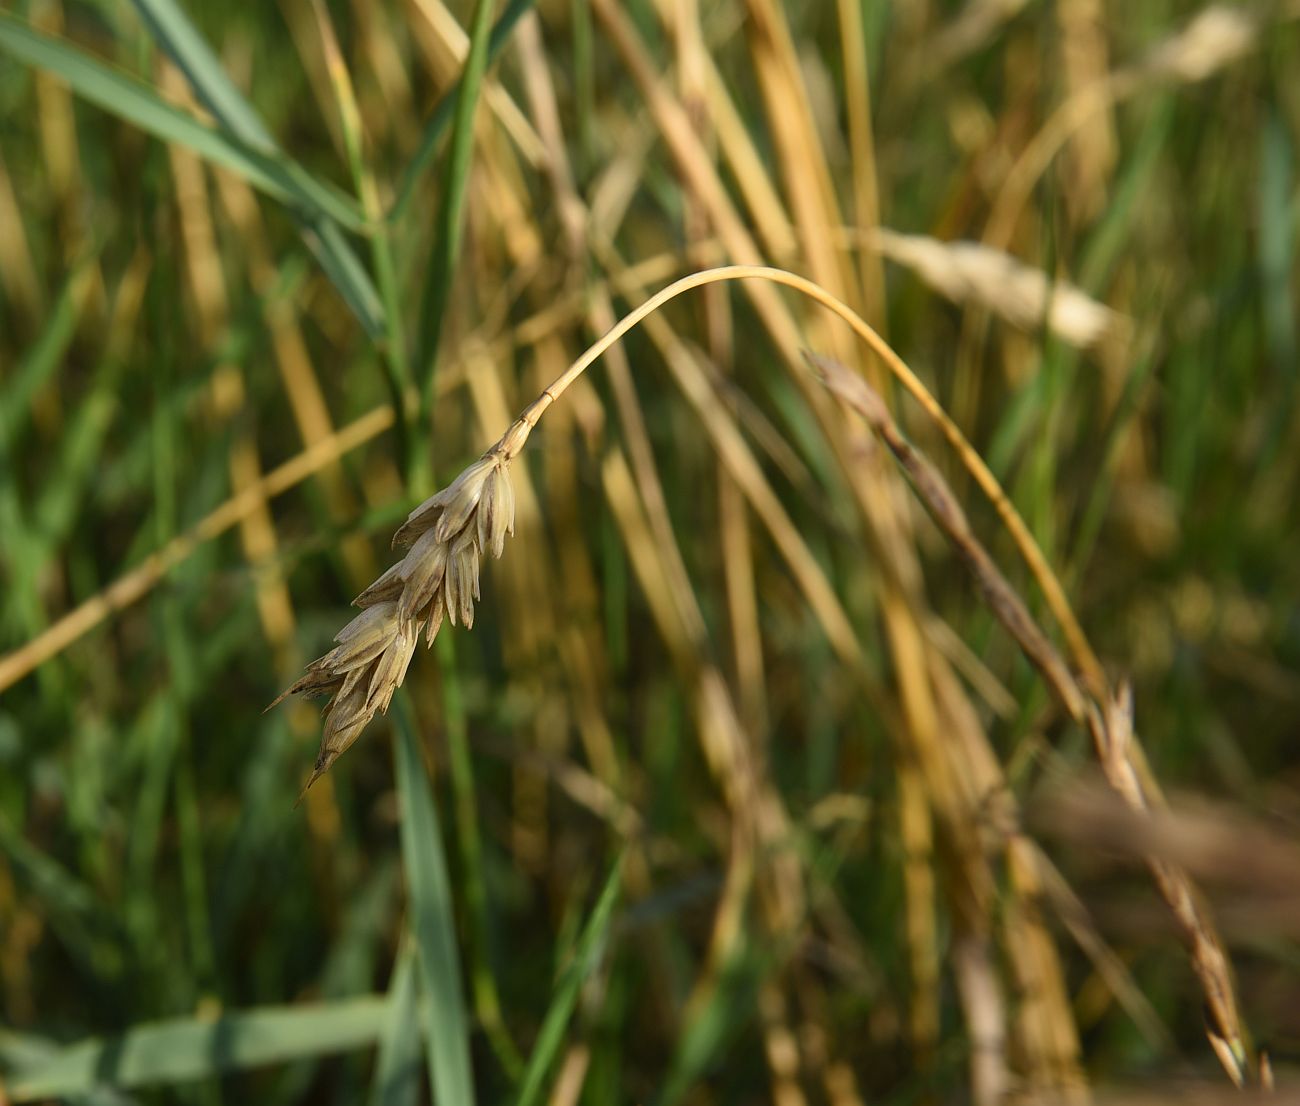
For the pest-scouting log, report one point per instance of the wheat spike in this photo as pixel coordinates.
(438, 577)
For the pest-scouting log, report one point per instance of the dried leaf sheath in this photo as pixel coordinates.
(438, 577)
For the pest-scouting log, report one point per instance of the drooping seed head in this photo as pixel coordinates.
(438, 578)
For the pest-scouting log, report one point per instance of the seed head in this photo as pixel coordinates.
(438, 577)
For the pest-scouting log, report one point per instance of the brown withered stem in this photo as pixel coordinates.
(1108, 716)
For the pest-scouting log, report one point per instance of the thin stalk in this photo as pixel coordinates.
(1081, 652)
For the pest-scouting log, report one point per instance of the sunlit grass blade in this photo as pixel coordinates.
(184, 1049)
(396, 353)
(585, 958)
(397, 1069)
(431, 919)
(139, 105)
(447, 106)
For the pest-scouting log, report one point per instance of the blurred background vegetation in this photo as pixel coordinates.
(735, 792)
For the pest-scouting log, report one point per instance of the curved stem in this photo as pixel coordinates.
(513, 440)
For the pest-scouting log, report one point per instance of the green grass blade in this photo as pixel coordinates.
(170, 27)
(185, 1049)
(1276, 244)
(397, 1070)
(442, 114)
(447, 229)
(139, 105)
(487, 1001)
(345, 271)
(429, 894)
(585, 958)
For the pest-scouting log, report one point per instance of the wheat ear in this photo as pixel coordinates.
(437, 580)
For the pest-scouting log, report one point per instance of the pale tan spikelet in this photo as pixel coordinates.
(437, 612)
(967, 272)
(503, 520)
(362, 639)
(385, 589)
(496, 512)
(422, 571)
(1216, 37)
(487, 504)
(364, 625)
(462, 497)
(390, 669)
(419, 520)
(345, 718)
(316, 681)
(474, 553)
(462, 578)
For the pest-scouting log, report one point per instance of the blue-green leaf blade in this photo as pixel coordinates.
(171, 27)
(174, 32)
(139, 105)
(397, 1070)
(433, 923)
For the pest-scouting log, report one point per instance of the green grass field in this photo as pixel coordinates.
(753, 780)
